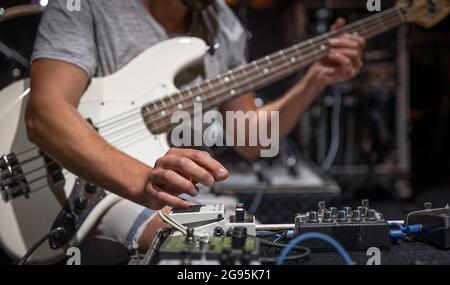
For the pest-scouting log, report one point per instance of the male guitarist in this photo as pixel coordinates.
(74, 46)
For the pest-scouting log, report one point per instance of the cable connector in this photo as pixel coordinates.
(409, 229)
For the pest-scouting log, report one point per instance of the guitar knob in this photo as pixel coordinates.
(69, 219)
(90, 188)
(80, 204)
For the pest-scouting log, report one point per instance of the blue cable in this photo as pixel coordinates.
(409, 229)
(313, 235)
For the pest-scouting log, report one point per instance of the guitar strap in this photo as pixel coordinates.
(197, 5)
(204, 21)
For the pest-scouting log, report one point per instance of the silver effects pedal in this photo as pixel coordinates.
(214, 220)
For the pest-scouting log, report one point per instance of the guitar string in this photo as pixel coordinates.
(369, 34)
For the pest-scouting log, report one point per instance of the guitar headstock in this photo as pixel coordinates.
(425, 13)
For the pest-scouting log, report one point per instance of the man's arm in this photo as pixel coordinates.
(54, 124)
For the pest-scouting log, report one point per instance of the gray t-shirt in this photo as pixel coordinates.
(106, 34)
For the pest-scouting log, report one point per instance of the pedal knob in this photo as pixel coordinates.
(80, 203)
(371, 215)
(189, 235)
(321, 205)
(239, 237)
(333, 211)
(327, 217)
(356, 216)
(362, 210)
(342, 216)
(428, 205)
(348, 211)
(240, 215)
(312, 217)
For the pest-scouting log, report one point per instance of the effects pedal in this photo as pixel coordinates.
(435, 225)
(214, 236)
(235, 248)
(356, 229)
(214, 220)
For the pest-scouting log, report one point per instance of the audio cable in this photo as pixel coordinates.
(313, 235)
(24, 259)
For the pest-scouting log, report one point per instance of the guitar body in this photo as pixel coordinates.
(115, 98)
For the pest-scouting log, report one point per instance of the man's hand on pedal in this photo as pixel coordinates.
(177, 172)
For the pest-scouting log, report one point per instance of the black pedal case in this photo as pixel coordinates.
(435, 225)
(356, 230)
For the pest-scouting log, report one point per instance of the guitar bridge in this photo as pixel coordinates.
(13, 183)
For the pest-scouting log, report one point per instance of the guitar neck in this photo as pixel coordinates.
(262, 72)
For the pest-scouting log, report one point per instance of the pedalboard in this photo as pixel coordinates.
(435, 224)
(356, 229)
